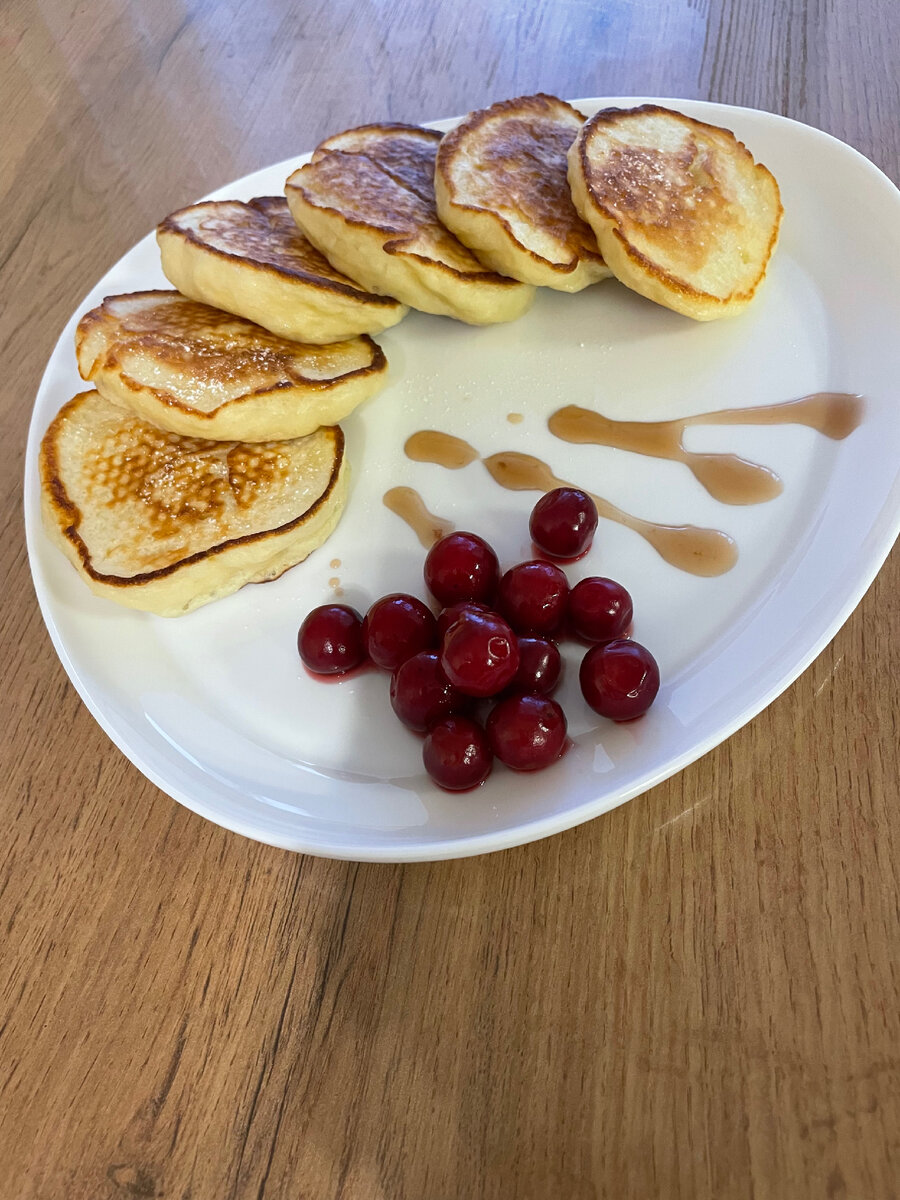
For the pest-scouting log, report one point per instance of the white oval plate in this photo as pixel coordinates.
(215, 708)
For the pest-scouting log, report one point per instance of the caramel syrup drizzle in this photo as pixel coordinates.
(699, 551)
(410, 507)
(688, 547)
(726, 477)
(443, 449)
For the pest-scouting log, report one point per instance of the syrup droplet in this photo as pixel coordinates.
(442, 449)
(409, 506)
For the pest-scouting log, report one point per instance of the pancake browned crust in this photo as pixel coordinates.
(405, 152)
(202, 372)
(681, 211)
(366, 200)
(501, 187)
(164, 524)
(251, 260)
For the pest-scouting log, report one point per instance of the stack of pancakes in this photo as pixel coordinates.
(210, 456)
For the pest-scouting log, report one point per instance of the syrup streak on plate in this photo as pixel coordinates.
(697, 551)
(727, 477)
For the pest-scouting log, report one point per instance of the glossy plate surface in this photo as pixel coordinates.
(215, 707)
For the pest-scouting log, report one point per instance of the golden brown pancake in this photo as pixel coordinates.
(164, 523)
(251, 260)
(501, 187)
(203, 372)
(366, 199)
(681, 211)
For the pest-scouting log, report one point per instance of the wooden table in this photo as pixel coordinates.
(694, 996)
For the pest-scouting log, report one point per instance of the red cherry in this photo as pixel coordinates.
(563, 522)
(330, 639)
(619, 679)
(457, 754)
(448, 616)
(480, 654)
(540, 667)
(599, 609)
(421, 693)
(397, 627)
(461, 566)
(527, 732)
(532, 596)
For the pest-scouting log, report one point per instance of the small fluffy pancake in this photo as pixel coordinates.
(164, 524)
(366, 200)
(251, 260)
(202, 372)
(681, 211)
(501, 187)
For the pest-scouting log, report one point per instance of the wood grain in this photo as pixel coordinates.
(694, 996)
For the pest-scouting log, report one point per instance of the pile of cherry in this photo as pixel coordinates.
(494, 638)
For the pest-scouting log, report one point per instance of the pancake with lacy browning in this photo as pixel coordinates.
(202, 372)
(164, 523)
(681, 211)
(251, 260)
(501, 187)
(366, 200)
